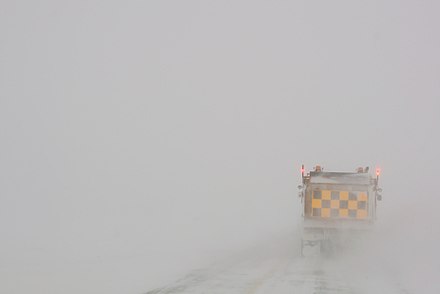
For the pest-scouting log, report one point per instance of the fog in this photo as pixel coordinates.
(140, 140)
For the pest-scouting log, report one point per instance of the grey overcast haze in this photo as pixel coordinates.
(143, 140)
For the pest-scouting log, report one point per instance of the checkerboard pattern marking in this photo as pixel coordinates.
(340, 204)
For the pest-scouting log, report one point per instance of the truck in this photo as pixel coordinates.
(337, 207)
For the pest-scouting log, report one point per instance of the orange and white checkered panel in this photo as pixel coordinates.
(340, 204)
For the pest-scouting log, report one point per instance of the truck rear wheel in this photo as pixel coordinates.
(310, 248)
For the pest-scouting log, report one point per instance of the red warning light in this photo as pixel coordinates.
(302, 169)
(377, 171)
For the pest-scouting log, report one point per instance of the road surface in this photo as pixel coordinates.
(278, 268)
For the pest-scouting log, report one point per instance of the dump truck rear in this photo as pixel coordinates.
(337, 208)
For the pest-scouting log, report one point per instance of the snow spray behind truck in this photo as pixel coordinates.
(337, 206)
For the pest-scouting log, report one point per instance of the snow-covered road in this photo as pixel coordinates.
(278, 268)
